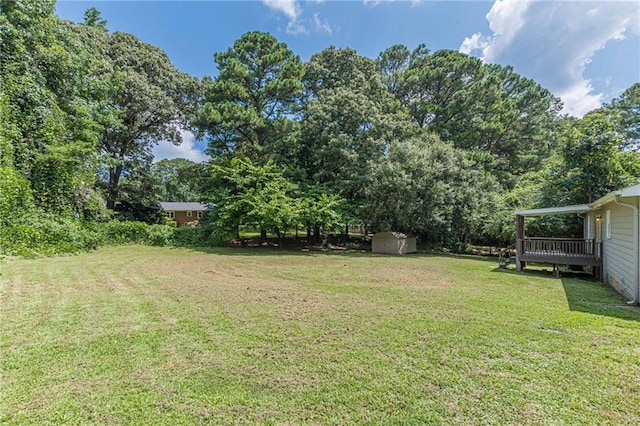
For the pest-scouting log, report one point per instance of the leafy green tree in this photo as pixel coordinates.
(429, 188)
(249, 195)
(349, 119)
(151, 101)
(179, 179)
(43, 70)
(92, 18)
(595, 162)
(475, 106)
(628, 107)
(248, 107)
(319, 209)
(139, 199)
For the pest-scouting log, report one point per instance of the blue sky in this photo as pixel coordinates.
(585, 52)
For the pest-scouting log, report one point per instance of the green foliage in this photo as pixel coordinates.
(535, 189)
(140, 198)
(348, 122)
(628, 108)
(46, 235)
(50, 124)
(341, 139)
(595, 163)
(92, 18)
(247, 108)
(474, 105)
(140, 99)
(187, 236)
(246, 194)
(431, 189)
(131, 232)
(318, 207)
(179, 179)
(16, 200)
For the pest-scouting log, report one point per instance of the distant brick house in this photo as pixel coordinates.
(184, 213)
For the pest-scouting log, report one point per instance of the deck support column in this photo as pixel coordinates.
(519, 242)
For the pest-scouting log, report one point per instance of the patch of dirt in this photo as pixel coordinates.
(238, 281)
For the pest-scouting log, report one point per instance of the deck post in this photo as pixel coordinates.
(519, 242)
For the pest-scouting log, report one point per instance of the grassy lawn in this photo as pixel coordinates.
(142, 335)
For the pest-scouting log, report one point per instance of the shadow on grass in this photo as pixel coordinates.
(263, 251)
(594, 297)
(586, 294)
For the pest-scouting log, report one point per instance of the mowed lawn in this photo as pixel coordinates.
(142, 335)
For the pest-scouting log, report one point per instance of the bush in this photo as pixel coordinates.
(117, 232)
(46, 236)
(187, 236)
(160, 235)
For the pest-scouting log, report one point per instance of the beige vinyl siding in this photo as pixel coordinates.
(620, 257)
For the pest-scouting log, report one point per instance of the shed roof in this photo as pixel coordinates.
(173, 206)
(391, 234)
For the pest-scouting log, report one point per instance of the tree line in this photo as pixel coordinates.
(438, 144)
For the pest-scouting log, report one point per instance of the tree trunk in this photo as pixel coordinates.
(112, 189)
(308, 234)
(316, 233)
(263, 235)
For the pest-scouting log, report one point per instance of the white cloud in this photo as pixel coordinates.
(321, 26)
(296, 27)
(506, 18)
(474, 43)
(554, 43)
(579, 99)
(291, 8)
(297, 24)
(186, 150)
(377, 2)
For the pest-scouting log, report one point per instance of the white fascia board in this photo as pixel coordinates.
(580, 208)
(630, 191)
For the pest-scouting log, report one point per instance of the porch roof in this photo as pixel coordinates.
(579, 208)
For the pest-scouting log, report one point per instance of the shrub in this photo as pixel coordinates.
(187, 236)
(42, 235)
(159, 235)
(117, 232)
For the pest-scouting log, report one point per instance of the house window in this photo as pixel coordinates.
(200, 215)
(607, 224)
(172, 215)
(189, 213)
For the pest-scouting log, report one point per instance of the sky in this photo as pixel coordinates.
(585, 52)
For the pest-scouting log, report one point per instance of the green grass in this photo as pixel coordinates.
(144, 335)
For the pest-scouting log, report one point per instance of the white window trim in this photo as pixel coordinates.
(200, 215)
(172, 215)
(607, 224)
(189, 213)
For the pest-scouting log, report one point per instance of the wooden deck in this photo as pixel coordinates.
(560, 251)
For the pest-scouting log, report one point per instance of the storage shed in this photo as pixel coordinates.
(393, 242)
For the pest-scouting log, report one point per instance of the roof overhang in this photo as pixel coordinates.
(628, 192)
(580, 208)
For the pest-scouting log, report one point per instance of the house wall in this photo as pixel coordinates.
(182, 218)
(620, 250)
